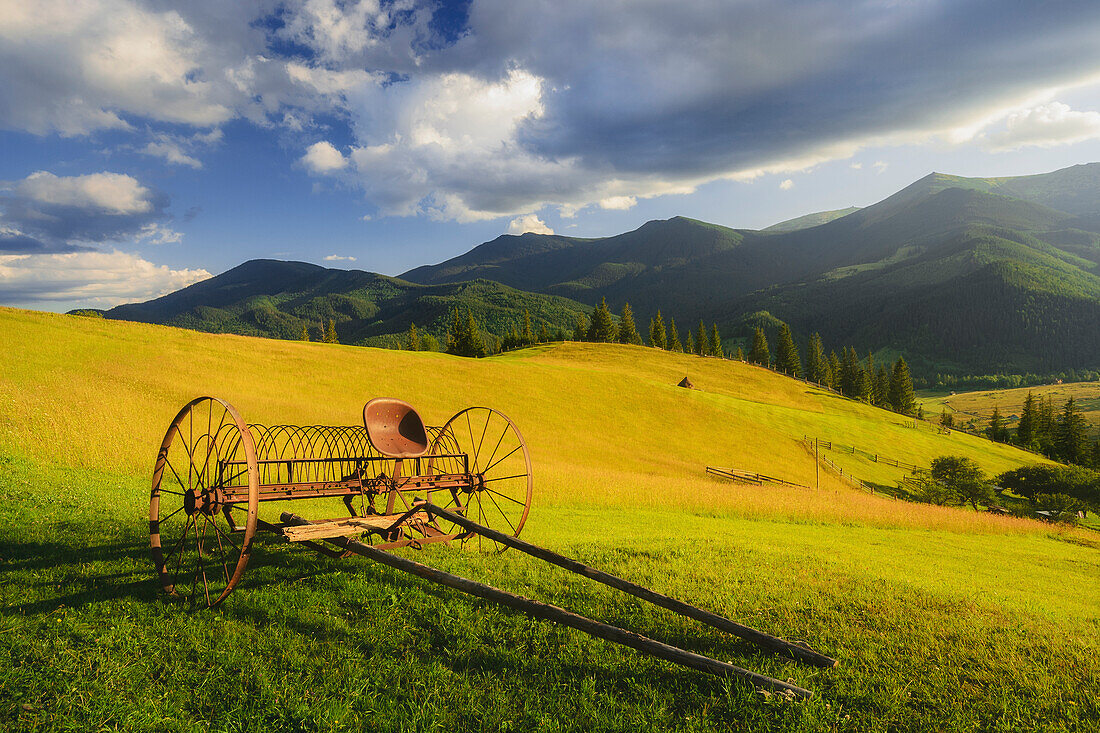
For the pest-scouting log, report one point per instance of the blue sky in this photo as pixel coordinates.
(145, 144)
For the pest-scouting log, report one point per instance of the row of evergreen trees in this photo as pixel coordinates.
(1060, 434)
(890, 387)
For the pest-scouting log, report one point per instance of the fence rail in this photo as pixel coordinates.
(750, 477)
(853, 450)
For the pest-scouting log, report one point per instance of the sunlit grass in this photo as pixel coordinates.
(605, 424)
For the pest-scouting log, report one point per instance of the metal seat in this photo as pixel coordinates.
(394, 428)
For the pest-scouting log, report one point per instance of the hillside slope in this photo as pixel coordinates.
(960, 274)
(604, 422)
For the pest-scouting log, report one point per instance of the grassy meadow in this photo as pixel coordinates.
(942, 619)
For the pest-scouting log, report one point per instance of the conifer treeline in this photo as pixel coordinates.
(890, 387)
(885, 386)
(1059, 434)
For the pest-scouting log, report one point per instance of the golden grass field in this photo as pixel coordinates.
(606, 424)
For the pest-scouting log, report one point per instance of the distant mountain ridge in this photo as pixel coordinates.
(278, 299)
(972, 275)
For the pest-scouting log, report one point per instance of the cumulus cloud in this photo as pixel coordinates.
(338, 258)
(323, 157)
(87, 279)
(525, 104)
(1046, 126)
(618, 203)
(528, 224)
(787, 184)
(64, 213)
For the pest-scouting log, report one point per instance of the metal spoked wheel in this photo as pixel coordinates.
(199, 541)
(500, 464)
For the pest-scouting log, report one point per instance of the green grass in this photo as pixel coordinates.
(943, 619)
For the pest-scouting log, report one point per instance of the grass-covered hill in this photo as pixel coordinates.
(960, 274)
(278, 299)
(943, 619)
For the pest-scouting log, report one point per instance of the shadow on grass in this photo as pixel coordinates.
(431, 640)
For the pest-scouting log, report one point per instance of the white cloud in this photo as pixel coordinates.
(338, 258)
(1045, 126)
(787, 184)
(618, 203)
(51, 213)
(87, 279)
(108, 193)
(880, 166)
(855, 166)
(529, 223)
(323, 157)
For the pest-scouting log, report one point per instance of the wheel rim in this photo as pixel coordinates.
(199, 554)
(500, 464)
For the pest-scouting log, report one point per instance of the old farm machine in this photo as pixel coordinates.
(396, 482)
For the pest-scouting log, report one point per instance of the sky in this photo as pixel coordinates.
(146, 145)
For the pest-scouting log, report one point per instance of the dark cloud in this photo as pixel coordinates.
(703, 88)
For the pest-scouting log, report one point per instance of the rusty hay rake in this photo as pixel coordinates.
(219, 481)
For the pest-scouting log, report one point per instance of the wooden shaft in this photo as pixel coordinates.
(719, 622)
(547, 612)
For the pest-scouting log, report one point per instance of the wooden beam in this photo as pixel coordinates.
(547, 612)
(747, 633)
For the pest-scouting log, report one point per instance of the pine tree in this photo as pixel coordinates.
(330, 333)
(602, 330)
(657, 336)
(628, 331)
(305, 334)
(850, 370)
(760, 353)
(947, 419)
(835, 370)
(716, 343)
(689, 345)
(412, 340)
(865, 387)
(527, 335)
(902, 398)
(817, 365)
(674, 343)
(882, 387)
(1044, 425)
(580, 331)
(740, 356)
(465, 337)
(702, 340)
(997, 431)
(544, 334)
(1025, 429)
(1071, 434)
(786, 353)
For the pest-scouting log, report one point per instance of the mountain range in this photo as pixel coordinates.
(964, 275)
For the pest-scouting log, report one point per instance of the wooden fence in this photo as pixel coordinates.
(750, 477)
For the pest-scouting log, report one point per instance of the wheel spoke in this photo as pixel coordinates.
(504, 478)
(502, 513)
(497, 446)
(505, 496)
(503, 458)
